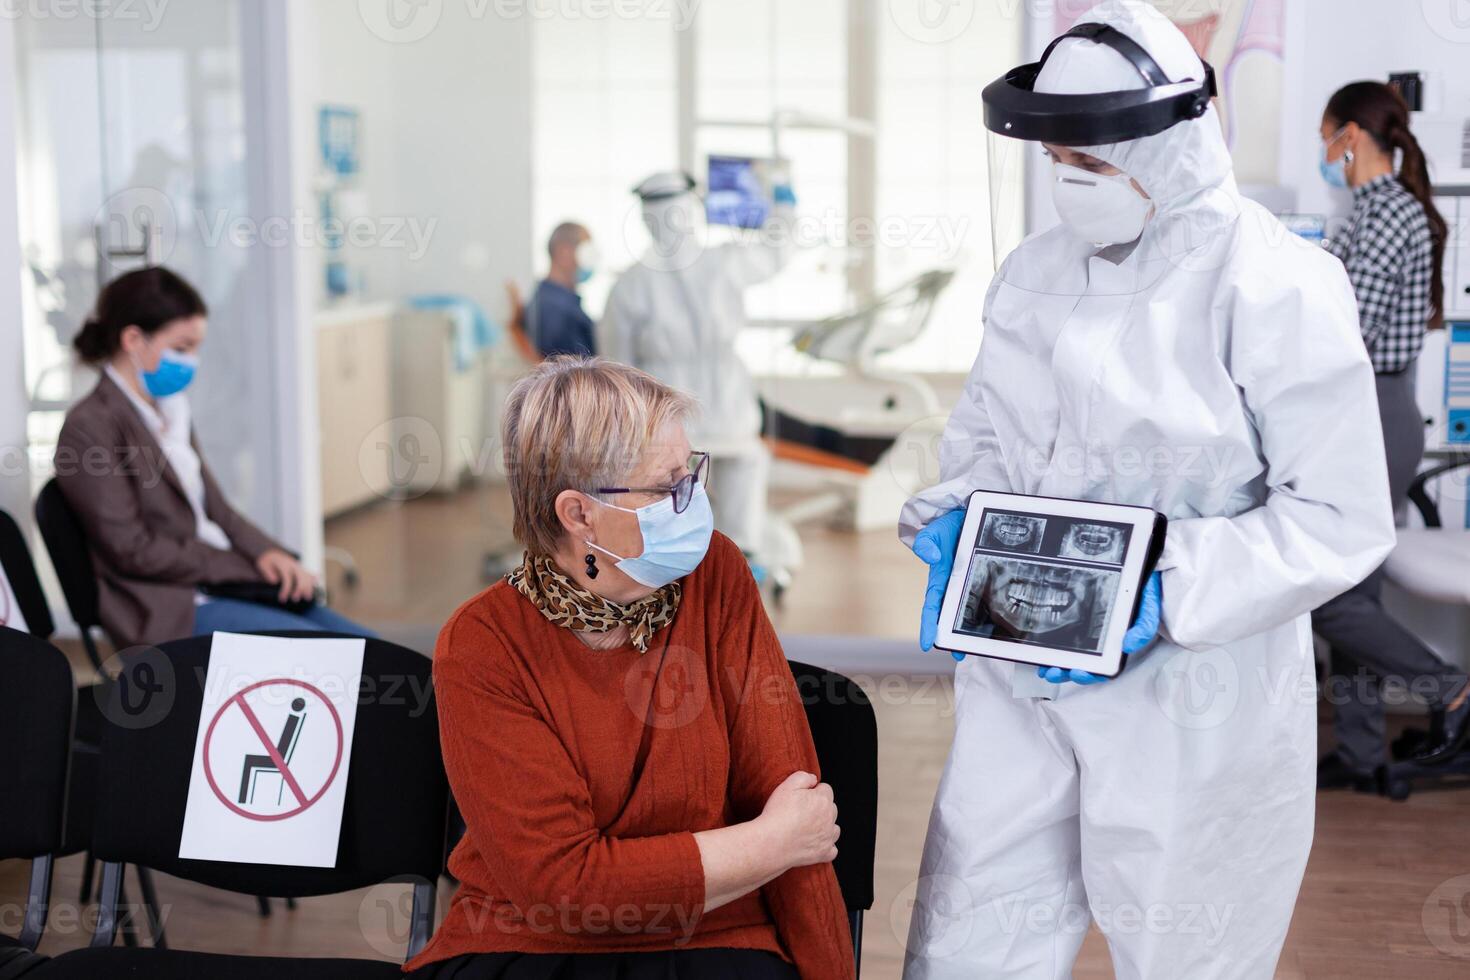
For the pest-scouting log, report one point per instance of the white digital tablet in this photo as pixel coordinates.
(1046, 581)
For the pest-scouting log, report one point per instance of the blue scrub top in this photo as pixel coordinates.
(556, 322)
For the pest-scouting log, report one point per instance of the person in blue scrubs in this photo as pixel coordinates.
(555, 320)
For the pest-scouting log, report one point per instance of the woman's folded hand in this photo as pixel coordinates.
(801, 819)
(280, 569)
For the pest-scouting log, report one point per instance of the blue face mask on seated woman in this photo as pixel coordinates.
(174, 373)
(673, 543)
(1335, 171)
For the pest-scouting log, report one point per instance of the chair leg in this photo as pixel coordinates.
(127, 923)
(264, 905)
(88, 868)
(150, 904)
(109, 890)
(90, 645)
(38, 902)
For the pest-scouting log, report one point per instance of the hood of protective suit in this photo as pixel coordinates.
(1184, 167)
(676, 227)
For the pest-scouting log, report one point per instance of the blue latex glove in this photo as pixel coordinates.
(783, 194)
(935, 546)
(1145, 630)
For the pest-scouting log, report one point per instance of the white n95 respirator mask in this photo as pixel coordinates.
(1099, 208)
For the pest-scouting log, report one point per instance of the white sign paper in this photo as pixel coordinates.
(271, 757)
(10, 609)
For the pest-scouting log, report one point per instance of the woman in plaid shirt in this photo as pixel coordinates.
(1394, 253)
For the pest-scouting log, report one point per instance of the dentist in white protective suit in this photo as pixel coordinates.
(676, 314)
(1168, 345)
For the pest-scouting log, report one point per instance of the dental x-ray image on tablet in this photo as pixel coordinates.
(1012, 532)
(1048, 581)
(1063, 606)
(1087, 541)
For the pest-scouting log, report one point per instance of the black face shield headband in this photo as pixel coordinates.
(1014, 108)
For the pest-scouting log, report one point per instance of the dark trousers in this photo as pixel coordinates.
(1368, 645)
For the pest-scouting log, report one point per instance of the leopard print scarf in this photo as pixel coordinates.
(565, 603)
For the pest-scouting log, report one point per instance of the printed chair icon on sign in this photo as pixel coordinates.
(285, 746)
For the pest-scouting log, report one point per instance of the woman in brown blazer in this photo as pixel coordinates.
(127, 462)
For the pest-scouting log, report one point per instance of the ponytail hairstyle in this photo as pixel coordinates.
(144, 298)
(1381, 112)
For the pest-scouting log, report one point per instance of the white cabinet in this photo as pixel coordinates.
(400, 417)
(355, 406)
(439, 404)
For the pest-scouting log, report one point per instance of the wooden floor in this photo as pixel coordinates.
(1387, 890)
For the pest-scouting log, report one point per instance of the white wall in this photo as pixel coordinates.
(345, 64)
(1329, 44)
(445, 111)
(464, 152)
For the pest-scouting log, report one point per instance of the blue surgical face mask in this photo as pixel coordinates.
(173, 374)
(586, 260)
(673, 544)
(1335, 171)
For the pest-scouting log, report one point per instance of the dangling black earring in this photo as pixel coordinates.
(591, 561)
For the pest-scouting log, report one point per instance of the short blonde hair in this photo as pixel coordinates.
(577, 423)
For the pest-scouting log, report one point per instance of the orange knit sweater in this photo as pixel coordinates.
(565, 851)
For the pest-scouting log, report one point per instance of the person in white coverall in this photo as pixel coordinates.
(676, 314)
(1169, 345)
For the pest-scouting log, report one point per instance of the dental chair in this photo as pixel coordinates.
(861, 445)
(855, 339)
(1431, 563)
(846, 440)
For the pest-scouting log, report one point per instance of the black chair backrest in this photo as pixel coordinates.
(1419, 491)
(20, 572)
(393, 823)
(845, 732)
(37, 702)
(66, 543)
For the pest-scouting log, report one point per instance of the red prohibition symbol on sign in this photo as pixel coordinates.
(277, 761)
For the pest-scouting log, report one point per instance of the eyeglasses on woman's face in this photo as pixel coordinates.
(682, 489)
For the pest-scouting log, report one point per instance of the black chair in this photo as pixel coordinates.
(393, 824)
(37, 701)
(71, 556)
(20, 572)
(66, 543)
(845, 732)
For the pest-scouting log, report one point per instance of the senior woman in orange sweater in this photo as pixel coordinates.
(620, 727)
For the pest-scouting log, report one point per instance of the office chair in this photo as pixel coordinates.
(392, 825)
(20, 572)
(1433, 563)
(66, 543)
(845, 733)
(36, 706)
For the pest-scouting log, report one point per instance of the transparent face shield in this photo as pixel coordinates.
(1031, 190)
(1008, 162)
(1024, 202)
(675, 228)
